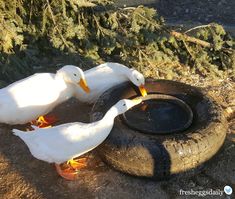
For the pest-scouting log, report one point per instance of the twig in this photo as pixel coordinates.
(54, 22)
(98, 25)
(61, 36)
(128, 8)
(155, 25)
(64, 8)
(30, 11)
(191, 39)
(183, 35)
(197, 27)
(161, 64)
(146, 57)
(187, 48)
(119, 24)
(197, 41)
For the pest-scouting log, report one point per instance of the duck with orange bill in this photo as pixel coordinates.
(62, 144)
(107, 75)
(29, 99)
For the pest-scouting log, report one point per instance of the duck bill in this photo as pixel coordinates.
(142, 90)
(137, 101)
(84, 85)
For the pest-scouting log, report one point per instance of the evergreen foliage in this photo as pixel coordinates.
(35, 33)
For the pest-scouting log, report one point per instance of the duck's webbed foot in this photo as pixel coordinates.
(70, 169)
(45, 121)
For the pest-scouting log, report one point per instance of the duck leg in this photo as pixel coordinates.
(45, 121)
(70, 169)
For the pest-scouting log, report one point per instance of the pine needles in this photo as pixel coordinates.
(33, 34)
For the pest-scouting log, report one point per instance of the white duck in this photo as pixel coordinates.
(34, 96)
(107, 75)
(67, 141)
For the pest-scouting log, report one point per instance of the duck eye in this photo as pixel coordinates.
(137, 79)
(124, 105)
(75, 74)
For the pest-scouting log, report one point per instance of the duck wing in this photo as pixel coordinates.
(58, 144)
(36, 90)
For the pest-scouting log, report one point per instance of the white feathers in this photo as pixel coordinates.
(29, 98)
(105, 76)
(61, 143)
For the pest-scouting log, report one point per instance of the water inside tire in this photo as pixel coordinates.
(159, 114)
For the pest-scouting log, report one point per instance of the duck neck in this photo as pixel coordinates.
(66, 90)
(59, 76)
(121, 69)
(110, 115)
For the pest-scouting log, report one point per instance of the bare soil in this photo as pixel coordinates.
(22, 176)
(188, 11)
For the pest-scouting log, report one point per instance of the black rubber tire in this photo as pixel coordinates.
(160, 156)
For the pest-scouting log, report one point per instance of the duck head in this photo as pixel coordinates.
(74, 75)
(124, 105)
(138, 79)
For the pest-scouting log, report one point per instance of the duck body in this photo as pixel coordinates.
(103, 77)
(29, 98)
(61, 143)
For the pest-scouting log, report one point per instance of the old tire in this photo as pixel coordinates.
(160, 156)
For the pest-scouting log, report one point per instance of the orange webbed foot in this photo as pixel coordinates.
(67, 173)
(45, 121)
(70, 169)
(78, 163)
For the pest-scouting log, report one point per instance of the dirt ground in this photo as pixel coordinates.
(22, 176)
(188, 11)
